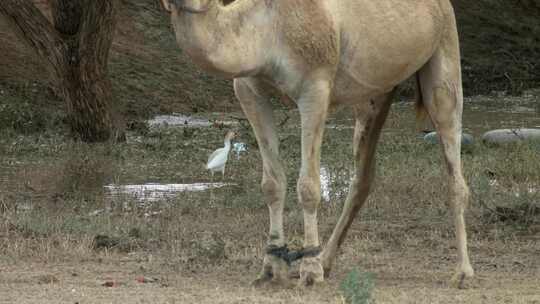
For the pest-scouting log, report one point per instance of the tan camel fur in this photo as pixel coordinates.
(325, 53)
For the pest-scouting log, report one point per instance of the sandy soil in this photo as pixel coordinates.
(506, 273)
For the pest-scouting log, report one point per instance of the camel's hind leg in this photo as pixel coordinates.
(255, 103)
(440, 82)
(370, 118)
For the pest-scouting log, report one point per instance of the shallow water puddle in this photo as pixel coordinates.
(179, 120)
(154, 192)
(480, 114)
(325, 184)
(335, 183)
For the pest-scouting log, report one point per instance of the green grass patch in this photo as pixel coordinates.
(357, 287)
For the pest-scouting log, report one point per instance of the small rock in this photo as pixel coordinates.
(47, 279)
(96, 212)
(105, 241)
(143, 279)
(152, 213)
(110, 284)
(135, 233)
(507, 136)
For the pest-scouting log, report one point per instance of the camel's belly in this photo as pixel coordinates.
(349, 89)
(382, 44)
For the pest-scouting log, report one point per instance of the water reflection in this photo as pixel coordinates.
(325, 184)
(480, 114)
(335, 183)
(155, 192)
(180, 120)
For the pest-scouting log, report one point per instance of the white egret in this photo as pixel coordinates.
(218, 159)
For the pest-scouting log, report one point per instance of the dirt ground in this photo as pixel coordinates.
(411, 262)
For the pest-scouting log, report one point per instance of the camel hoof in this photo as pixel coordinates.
(311, 272)
(294, 274)
(274, 270)
(327, 268)
(461, 279)
(261, 281)
(269, 280)
(264, 278)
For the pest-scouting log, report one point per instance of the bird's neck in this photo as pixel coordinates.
(227, 143)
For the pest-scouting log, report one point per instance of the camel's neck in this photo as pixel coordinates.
(226, 40)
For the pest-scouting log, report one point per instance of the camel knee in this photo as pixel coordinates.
(461, 195)
(273, 189)
(465, 193)
(309, 193)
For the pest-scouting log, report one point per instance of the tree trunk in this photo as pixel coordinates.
(88, 27)
(76, 51)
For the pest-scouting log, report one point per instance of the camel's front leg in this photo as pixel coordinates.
(313, 107)
(255, 104)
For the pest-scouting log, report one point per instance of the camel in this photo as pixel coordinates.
(322, 54)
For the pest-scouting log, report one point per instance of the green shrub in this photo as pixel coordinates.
(357, 287)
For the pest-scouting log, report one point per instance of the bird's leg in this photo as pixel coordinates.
(212, 187)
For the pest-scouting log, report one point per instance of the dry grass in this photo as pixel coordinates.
(207, 250)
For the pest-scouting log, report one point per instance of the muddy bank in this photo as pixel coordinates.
(500, 43)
